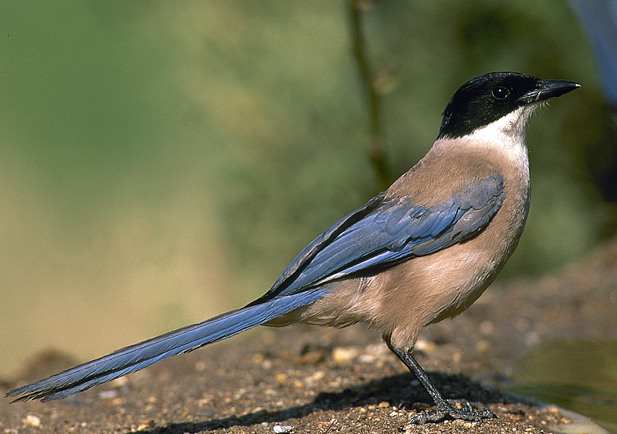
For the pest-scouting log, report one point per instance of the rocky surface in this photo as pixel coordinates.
(310, 379)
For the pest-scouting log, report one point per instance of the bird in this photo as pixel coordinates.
(422, 251)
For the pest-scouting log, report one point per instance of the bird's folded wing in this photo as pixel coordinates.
(387, 231)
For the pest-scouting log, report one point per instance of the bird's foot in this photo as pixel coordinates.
(452, 409)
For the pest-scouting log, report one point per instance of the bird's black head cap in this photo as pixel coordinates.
(486, 98)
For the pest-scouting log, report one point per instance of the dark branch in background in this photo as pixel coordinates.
(376, 149)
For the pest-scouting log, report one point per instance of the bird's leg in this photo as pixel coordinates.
(445, 407)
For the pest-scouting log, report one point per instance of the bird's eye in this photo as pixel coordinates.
(501, 93)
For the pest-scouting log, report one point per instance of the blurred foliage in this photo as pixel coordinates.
(163, 161)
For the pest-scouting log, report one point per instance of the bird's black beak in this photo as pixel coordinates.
(546, 89)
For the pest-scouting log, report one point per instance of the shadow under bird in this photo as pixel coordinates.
(422, 251)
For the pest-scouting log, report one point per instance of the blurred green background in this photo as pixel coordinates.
(161, 162)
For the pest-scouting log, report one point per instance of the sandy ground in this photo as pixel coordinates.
(310, 379)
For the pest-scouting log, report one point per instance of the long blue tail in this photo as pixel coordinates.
(138, 356)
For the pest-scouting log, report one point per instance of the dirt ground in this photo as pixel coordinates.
(318, 380)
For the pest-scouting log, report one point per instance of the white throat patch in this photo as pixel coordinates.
(506, 135)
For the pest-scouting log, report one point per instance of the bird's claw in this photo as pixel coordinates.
(449, 410)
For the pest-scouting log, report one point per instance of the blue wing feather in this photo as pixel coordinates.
(387, 231)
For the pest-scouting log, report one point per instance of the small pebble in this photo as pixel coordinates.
(282, 429)
(31, 420)
(316, 376)
(425, 346)
(483, 346)
(280, 378)
(311, 358)
(342, 355)
(108, 394)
